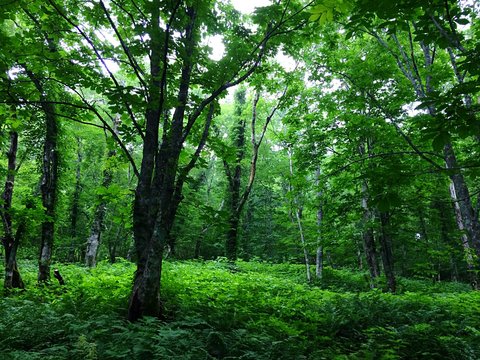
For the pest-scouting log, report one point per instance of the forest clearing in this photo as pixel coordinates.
(233, 179)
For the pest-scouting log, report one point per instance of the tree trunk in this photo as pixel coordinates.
(234, 177)
(161, 179)
(10, 241)
(75, 203)
(48, 185)
(93, 241)
(298, 217)
(49, 191)
(319, 257)
(145, 298)
(368, 217)
(469, 252)
(369, 239)
(319, 262)
(158, 195)
(387, 254)
(232, 237)
(462, 200)
(112, 246)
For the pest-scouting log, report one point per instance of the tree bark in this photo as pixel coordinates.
(93, 241)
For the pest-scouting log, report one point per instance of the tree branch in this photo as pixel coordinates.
(102, 61)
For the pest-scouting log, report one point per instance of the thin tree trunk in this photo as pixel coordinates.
(93, 241)
(75, 203)
(319, 262)
(359, 255)
(369, 239)
(298, 217)
(10, 241)
(319, 256)
(112, 248)
(367, 232)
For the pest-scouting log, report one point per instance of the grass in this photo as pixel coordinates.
(247, 311)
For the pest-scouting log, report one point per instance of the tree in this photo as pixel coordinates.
(236, 197)
(10, 239)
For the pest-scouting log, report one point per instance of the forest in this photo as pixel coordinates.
(240, 179)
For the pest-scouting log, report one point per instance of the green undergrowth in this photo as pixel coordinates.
(250, 310)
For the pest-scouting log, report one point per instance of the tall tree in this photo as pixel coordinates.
(10, 239)
(164, 101)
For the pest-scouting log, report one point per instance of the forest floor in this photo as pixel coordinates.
(252, 310)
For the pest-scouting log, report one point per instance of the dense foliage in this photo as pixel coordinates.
(252, 310)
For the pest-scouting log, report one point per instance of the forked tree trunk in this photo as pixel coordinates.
(161, 179)
(157, 194)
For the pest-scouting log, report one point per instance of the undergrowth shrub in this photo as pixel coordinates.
(216, 310)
